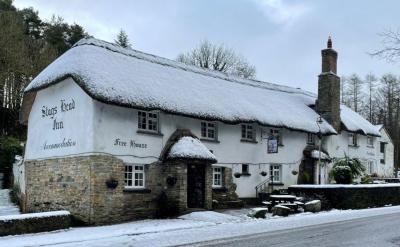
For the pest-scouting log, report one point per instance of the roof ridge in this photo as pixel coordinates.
(178, 65)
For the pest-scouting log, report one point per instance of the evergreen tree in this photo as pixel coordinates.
(122, 39)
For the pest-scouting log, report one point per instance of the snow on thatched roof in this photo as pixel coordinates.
(356, 123)
(127, 77)
(192, 148)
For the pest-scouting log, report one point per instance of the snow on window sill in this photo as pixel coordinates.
(209, 140)
(248, 140)
(148, 132)
(276, 183)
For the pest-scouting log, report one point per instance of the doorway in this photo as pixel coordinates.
(195, 185)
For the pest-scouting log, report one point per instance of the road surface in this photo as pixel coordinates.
(382, 231)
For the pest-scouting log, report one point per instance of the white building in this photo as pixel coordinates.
(99, 98)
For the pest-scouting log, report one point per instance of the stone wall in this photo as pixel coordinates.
(32, 223)
(351, 197)
(226, 197)
(78, 184)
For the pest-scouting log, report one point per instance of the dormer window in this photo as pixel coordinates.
(248, 132)
(310, 139)
(277, 135)
(353, 139)
(370, 141)
(209, 130)
(148, 121)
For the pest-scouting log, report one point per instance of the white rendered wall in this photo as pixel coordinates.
(102, 128)
(76, 122)
(386, 169)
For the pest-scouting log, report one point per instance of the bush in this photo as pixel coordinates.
(9, 147)
(367, 179)
(357, 169)
(342, 174)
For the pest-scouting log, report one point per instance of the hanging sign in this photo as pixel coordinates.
(272, 145)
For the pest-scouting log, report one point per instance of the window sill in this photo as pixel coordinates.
(370, 146)
(281, 145)
(277, 183)
(354, 146)
(209, 140)
(219, 189)
(149, 133)
(246, 174)
(137, 190)
(249, 141)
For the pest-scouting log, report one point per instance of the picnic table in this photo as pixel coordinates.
(286, 200)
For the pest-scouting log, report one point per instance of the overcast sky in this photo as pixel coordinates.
(281, 38)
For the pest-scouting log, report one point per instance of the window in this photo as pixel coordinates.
(382, 150)
(148, 121)
(217, 177)
(310, 139)
(209, 130)
(277, 135)
(248, 132)
(370, 141)
(275, 173)
(370, 167)
(352, 139)
(245, 169)
(134, 176)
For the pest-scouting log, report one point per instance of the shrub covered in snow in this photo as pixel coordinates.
(345, 169)
(342, 174)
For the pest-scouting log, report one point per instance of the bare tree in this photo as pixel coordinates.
(218, 57)
(354, 89)
(370, 81)
(391, 46)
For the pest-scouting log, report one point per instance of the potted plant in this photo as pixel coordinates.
(112, 183)
(263, 173)
(237, 174)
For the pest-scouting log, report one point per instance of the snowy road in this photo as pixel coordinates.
(368, 227)
(379, 231)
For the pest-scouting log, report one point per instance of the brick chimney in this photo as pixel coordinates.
(328, 102)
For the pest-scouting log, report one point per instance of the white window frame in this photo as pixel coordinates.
(273, 170)
(217, 177)
(146, 119)
(383, 154)
(352, 139)
(206, 128)
(310, 138)
(135, 176)
(276, 133)
(245, 130)
(370, 141)
(370, 166)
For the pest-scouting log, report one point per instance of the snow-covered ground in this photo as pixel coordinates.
(195, 227)
(6, 206)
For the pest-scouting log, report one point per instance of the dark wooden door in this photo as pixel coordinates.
(195, 186)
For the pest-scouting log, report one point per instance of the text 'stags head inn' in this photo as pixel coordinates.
(115, 134)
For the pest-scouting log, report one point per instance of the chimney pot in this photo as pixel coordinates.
(329, 42)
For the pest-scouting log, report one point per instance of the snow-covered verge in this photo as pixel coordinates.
(33, 215)
(192, 228)
(6, 206)
(354, 186)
